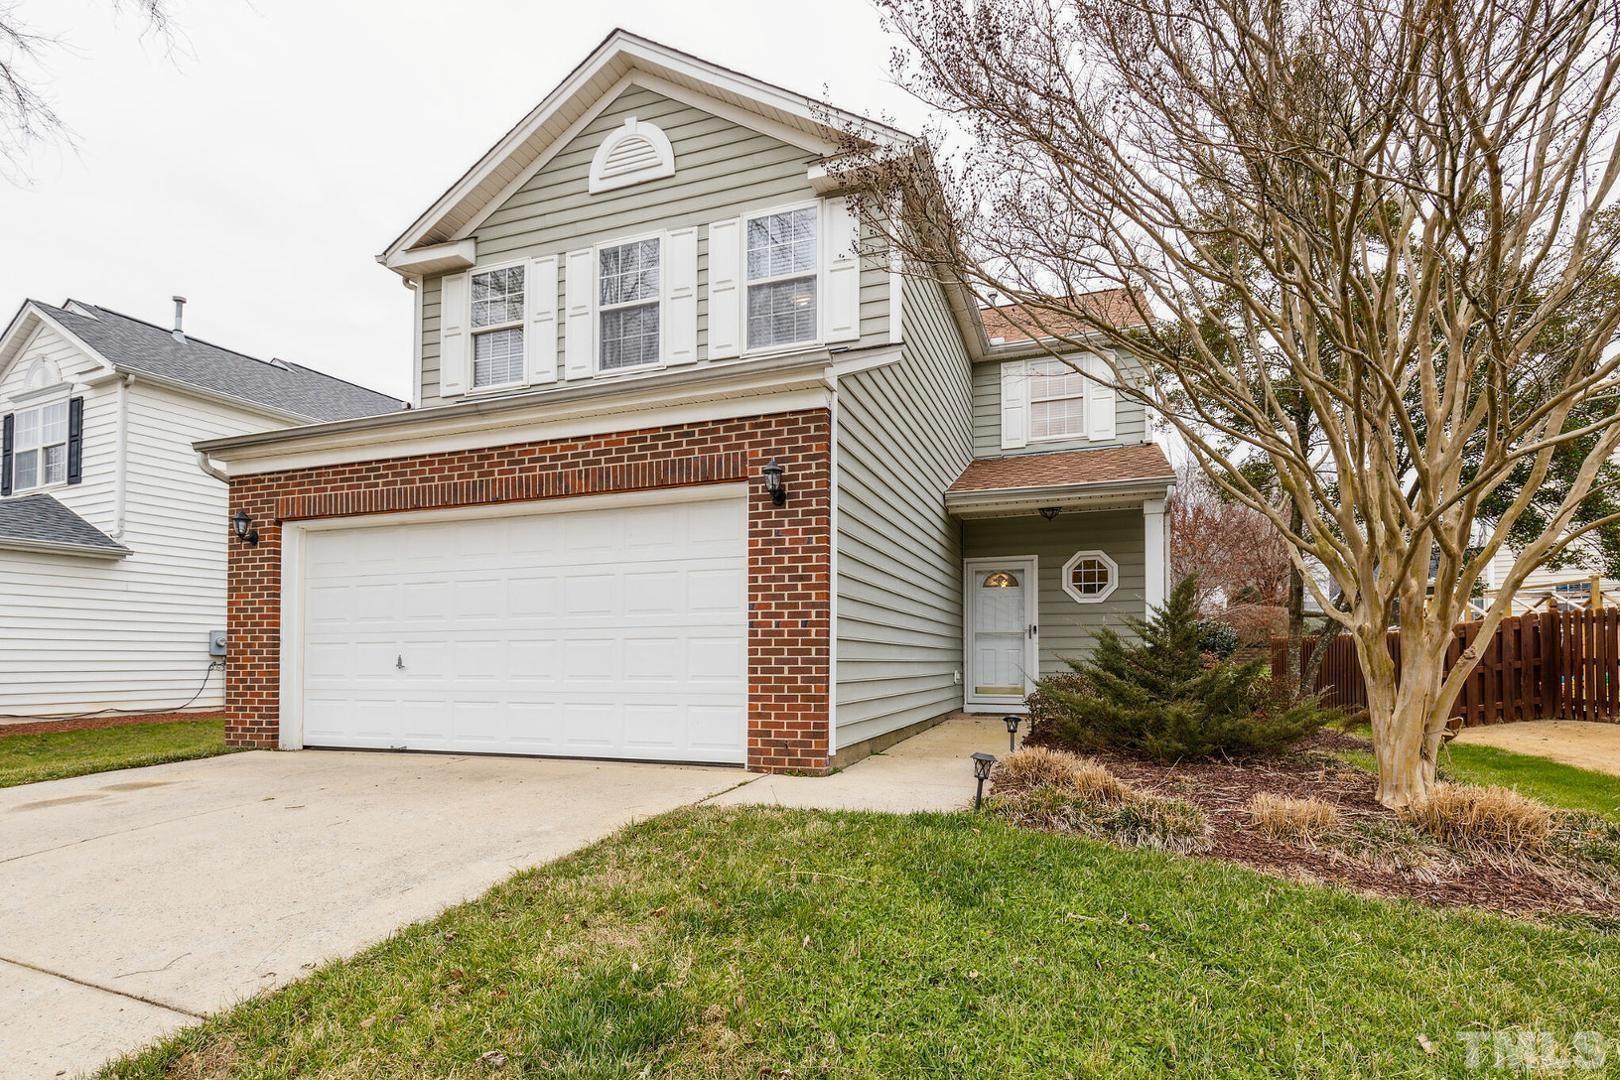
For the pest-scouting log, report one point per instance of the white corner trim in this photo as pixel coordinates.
(1113, 576)
(1155, 553)
(633, 153)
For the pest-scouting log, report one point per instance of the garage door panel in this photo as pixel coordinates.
(612, 632)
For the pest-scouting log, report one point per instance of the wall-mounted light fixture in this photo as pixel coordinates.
(773, 482)
(1050, 512)
(242, 526)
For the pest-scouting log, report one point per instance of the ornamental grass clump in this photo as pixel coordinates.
(1500, 819)
(1163, 697)
(1296, 820)
(1055, 791)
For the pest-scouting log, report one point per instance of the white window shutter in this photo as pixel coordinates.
(1014, 405)
(1099, 401)
(455, 347)
(725, 288)
(580, 294)
(540, 326)
(680, 296)
(841, 277)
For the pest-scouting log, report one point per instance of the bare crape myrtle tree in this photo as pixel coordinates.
(1375, 243)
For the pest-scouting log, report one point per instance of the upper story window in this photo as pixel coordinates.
(781, 272)
(1057, 401)
(40, 453)
(628, 277)
(497, 326)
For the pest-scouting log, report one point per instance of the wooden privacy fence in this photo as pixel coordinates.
(1556, 665)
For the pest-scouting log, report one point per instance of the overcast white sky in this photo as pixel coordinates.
(259, 167)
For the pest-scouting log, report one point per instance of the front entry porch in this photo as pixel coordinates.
(1046, 566)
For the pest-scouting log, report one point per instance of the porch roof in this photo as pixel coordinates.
(1115, 476)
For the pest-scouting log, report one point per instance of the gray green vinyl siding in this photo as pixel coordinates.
(1068, 628)
(1130, 420)
(722, 169)
(903, 435)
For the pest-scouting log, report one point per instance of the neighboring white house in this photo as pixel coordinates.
(112, 540)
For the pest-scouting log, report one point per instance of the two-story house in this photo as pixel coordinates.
(691, 478)
(112, 542)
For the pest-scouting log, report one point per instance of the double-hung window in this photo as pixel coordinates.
(628, 294)
(40, 453)
(781, 273)
(1057, 401)
(497, 326)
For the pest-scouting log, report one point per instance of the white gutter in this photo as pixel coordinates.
(52, 548)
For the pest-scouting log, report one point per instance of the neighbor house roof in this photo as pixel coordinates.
(40, 522)
(1023, 322)
(1112, 465)
(136, 345)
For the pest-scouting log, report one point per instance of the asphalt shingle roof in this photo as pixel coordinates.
(42, 519)
(1144, 461)
(142, 346)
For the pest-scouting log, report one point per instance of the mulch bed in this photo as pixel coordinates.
(84, 723)
(1222, 789)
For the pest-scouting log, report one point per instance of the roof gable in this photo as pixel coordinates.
(623, 59)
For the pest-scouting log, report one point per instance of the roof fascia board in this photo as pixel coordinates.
(47, 547)
(1055, 494)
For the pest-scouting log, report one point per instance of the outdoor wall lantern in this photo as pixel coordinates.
(242, 526)
(982, 763)
(1050, 512)
(773, 482)
(1011, 720)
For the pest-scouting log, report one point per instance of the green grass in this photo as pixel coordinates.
(28, 759)
(728, 942)
(1553, 783)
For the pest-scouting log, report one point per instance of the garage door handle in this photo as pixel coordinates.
(399, 663)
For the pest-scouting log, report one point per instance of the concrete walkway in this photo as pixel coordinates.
(1580, 743)
(133, 903)
(930, 771)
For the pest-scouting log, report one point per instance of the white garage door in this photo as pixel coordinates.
(615, 631)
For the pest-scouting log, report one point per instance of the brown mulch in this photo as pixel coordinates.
(85, 723)
(1222, 789)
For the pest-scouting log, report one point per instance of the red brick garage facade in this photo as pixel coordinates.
(789, 551)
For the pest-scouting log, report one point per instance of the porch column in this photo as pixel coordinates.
(1155, 553)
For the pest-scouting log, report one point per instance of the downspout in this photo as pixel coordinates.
(206, 464)
(121, 470)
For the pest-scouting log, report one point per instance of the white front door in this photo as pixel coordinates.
(1003, 633)
(610, 627)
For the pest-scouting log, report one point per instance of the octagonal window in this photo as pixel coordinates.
(1090, 577)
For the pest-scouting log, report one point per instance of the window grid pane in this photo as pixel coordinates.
(1057, 400)
(781, 244)
(1089, 577)
(25, 469)
(782, 312)
(55, 463)
(498, 357)
(629, 273)
(28, 429)
(629, 337)
(497, 297)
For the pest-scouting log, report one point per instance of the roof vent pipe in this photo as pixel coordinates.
(179, 315)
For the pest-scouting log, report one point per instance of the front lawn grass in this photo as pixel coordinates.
(747, 942)
(54, 755)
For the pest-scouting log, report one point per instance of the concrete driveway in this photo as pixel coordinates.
(133, 903)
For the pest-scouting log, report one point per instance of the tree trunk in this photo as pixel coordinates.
(1403, 712)
(1296, 615)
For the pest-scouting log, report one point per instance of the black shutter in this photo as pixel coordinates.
(7, 434)
(75, 440)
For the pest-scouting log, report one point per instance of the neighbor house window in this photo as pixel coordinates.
(39, 454)
(627, 304)
(1057, 401)
(497, 326)
(782, 278)
(1090, 577)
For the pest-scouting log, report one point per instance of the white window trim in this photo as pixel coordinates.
(818, 273)
(1113, 577)
(1032, 380)
(520, 323)
(597, 370)
(41, 400)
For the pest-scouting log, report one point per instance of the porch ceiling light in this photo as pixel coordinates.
(773, 482)
(982, 764)
(242, 526)
(1050, 512)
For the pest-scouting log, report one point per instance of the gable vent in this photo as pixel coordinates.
(631, 154)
